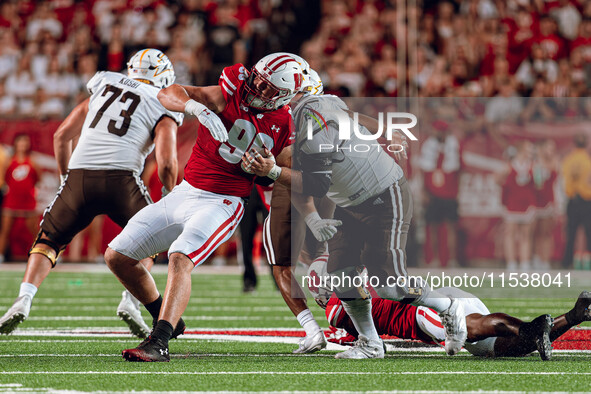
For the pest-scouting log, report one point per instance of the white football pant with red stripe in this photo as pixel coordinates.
(188, 220)
(430, 323)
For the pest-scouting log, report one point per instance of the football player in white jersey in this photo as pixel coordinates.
(118, 126)
(374, 205)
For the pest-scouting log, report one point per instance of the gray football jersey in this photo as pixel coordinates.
(360, 168)
(118, 131)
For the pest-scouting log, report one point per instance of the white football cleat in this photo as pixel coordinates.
(311, 344)
(129, 311)
(363, 348)
(454, 321)
(17, 313)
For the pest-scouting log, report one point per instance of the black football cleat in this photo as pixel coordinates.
(179, 329)
(542, 325)
(150, 350)
(582, 307)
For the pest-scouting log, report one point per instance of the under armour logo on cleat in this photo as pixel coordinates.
(163, 351)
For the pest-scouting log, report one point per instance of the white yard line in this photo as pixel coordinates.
(119, 331)
(332, 392)
(185, 317)
(389, 373)
(92, 299)
(413, 354)
(19, 388)
(203, 308)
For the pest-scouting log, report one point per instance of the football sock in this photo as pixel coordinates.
(308, 323)
(528, 332)
(27, 289)
(359, 310)
(571, 317)
(162, 331)
(154, 308)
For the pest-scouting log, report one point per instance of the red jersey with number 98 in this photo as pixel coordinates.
(215, 166)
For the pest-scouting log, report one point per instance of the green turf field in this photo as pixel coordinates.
(63, 359)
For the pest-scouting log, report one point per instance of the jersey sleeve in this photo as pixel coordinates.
(95, 82)
(230, 80)
(178, 117)
(286, 137)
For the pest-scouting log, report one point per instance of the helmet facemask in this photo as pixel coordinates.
(272, 83)
(265, 96)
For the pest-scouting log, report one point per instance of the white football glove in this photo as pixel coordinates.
(254, 154)
(208, 119)
(276, 170)
(323, 229)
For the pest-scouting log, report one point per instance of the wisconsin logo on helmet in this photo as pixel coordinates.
(276, 63)
(151, 66)
(310, 83)
(298, 80)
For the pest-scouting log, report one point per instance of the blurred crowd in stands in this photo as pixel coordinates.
(50, 49)
(490, 60)
(482, 48)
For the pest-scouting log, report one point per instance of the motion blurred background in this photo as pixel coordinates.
(501, 89)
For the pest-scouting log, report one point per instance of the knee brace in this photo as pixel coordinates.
(52, 254)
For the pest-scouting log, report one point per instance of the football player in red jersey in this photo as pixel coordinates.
(246, 111)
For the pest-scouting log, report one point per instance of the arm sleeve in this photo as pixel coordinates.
(316, 173)
(315, 157)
